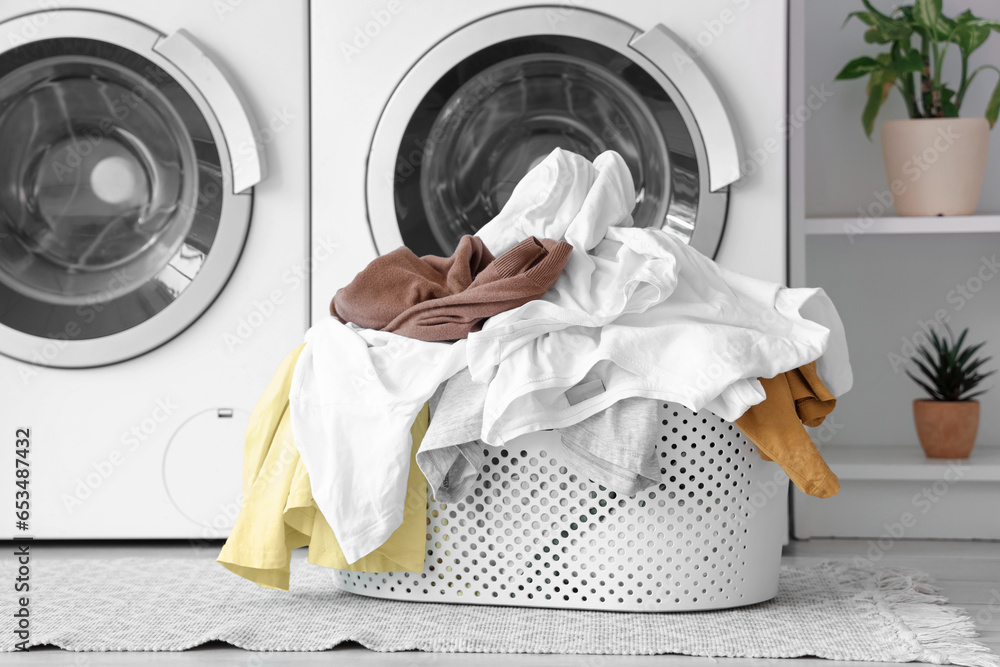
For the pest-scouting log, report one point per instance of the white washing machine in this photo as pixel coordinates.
(153, 273)
(428, 113)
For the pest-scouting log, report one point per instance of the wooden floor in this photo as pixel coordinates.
(968, 573)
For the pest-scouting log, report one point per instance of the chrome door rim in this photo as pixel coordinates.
(704, 232)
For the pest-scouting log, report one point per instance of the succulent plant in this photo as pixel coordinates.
(950, 370)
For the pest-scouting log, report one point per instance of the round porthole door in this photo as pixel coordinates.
(492, 99)
(123, 204)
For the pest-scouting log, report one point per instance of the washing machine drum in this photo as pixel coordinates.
(116, 194)
(97, 189)
(498, 111)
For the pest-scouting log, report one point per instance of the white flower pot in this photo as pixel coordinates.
(935, 166)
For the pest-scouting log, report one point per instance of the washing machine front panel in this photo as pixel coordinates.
(151, 447)
(492, 99)
(122, 210)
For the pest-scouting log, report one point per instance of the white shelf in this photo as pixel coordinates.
(861, 226)
(907, 462)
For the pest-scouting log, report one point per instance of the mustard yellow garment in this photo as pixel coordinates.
(279, 514)
(794, 399)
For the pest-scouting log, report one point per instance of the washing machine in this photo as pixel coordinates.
(426, 114)
(154, 254)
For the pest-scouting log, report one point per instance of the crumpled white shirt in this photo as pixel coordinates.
(354, 396)
(636, 313)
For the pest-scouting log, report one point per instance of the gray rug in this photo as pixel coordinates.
(170, 604)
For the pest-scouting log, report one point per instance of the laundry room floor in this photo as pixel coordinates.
(967, 572)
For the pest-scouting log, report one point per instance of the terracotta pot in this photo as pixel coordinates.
(935, 166)
(947, 429)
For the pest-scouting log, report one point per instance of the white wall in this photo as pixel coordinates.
(885, 286)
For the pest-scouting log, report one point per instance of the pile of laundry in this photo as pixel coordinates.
(557, 315)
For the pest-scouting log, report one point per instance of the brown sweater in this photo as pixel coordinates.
(446, 298)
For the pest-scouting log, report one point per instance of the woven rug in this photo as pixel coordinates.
(170, 604)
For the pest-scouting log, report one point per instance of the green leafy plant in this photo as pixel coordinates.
(919, 37)
(949, 369)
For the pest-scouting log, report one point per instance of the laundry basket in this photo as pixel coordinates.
(533, 533)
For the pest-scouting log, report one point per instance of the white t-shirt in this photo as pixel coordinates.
(635, 310)
(354, 396)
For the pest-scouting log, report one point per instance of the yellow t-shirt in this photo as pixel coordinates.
(279, 514)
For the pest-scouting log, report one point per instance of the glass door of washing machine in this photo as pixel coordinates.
(493, 99)
(121, 216)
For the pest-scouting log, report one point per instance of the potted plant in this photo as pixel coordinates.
(935, 160)
(947, 422)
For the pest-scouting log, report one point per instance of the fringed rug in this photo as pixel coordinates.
(171, 604)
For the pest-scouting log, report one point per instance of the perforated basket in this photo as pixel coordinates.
(533, 533)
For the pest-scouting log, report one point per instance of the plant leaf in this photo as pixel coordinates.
(931, 375)
(864, 17)
(966, 18)
(970, 32)
(961, 338)
(857, 68)
(931, 365)
(892, 29)
(948, 106)
(938, 345)
(930, 392)
(972, 396)
(874, 35)
(993, 108)
(969, 351)
(952, 348)
(927, 13)
(874, 12)
(974, 366)
(911, 62)
(876, 95)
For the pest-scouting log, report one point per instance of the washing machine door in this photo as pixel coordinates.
(492, 99)
(126, 179)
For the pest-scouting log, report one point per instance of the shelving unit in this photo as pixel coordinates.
(889, 489)
(859, 226)
(895, 492)
(908, 463)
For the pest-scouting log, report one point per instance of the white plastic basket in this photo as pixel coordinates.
(534, 534)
